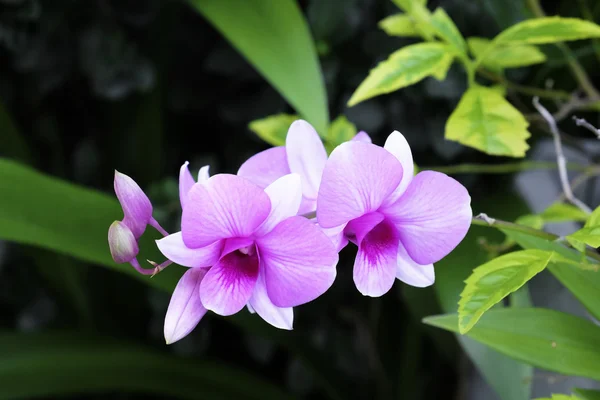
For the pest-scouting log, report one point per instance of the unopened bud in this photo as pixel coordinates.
(122, 243)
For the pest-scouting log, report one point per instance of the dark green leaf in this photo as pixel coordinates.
(58, 364)
(282, 50)
(545, 338)
(586, 394)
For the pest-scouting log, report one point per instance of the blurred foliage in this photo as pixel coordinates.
(142, 86)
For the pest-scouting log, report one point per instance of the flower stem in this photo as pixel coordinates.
(484, 220)
(505, 168)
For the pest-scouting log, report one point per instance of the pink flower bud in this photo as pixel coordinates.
(136, 205)
(122, 243)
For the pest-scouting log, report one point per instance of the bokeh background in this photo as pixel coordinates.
(87, 87)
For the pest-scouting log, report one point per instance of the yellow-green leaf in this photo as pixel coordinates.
(341, 130)
(404, 67)
(548, 30)
(587, 235)
(560, 397)
(504, 56)
(561, 212)
(399, 25)
(493, 281)
(446, 30)
(486, 121)
(273, 129)
(407, 5)
(594, 218)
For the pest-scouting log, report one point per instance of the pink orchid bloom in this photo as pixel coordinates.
(303, 154)
(401, 224)
(123, 235)
(245, 246)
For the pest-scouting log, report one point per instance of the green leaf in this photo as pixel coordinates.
(402, 25)
(273, 129)
(560, 397)
(494, 280)
(446, 30)
(562, 212)
(594, 218)
(589, 236)
(281, 49)
(486, 121)
(583, 283)
(404, 67)
(586, 394)
(548, 30)
(545, 338)
(500, 57)
(510, 379)
(407, 5)
(341, 130)
(35, 365)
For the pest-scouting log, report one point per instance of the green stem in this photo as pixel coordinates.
(527, 90)
(576, 68)
(484, 220)
(504, 168)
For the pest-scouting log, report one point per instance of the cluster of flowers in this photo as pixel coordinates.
(268, 238)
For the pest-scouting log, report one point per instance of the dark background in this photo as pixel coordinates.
(142, 86)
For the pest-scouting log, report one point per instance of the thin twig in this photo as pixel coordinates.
(560, 157)
(582, 122)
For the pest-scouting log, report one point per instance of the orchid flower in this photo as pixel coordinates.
(123, 235)
(401, 224)
(303, 154)
(245, 246)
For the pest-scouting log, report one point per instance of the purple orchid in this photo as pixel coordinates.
(401, 224)
(303, 154)
(245, 246)
(123, 235)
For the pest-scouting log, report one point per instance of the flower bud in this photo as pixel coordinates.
(136, 205)
(122, 243)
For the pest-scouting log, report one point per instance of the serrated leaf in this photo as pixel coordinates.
(403, 68)
(589, 236)
(273, 129)
(494, 280)
(341, 130)
(402, 25)
(562, 212)
(548, 30)
(544, 338)
(487, 122)
(586, 394)
(583, 283)
(509, 56)
(275, 38)
(446, 30)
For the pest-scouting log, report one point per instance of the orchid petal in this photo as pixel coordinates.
(228, 285)
(306, 156)
(285, 195)
(265, 167)
(357, 178)
(411, 273)
(225, 206)
(185, 309)
(397, 145)
(362, 136)
(299, 262)
(203, 174)
(122, 243)
(375, 264)
(174, 249)
(136, 205)
(186, 181)
(337, 236)
(432, 216)
(360, 227)
(282, 318)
